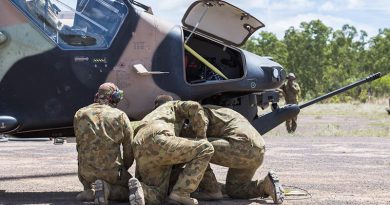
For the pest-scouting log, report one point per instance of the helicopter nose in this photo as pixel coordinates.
(278, 74)
(283, 74)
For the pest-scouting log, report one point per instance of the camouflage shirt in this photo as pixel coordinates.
(231, 125)
(100, 130)
(291, 92)
(221, 119)
(136, 125)
(187, 117)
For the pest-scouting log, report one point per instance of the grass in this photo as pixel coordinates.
(341, 120)
(346, 109)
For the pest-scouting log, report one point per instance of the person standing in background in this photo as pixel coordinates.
(291, 92)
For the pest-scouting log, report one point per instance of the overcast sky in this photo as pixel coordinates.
(279, 15)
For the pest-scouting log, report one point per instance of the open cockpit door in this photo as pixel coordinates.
(222, 21)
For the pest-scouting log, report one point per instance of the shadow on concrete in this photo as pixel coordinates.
(38, 198)
(228, 201)
(55, 198)
(37, 176)
(64, 198)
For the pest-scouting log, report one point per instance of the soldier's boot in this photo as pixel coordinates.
(207, 196)
(102, 192)
(288, 126)
(293, 126)
(182, 198)
(273, 188)
(86, 195)
(136, 193)
(209, 188)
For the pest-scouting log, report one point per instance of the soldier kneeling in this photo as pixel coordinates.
(100, 130)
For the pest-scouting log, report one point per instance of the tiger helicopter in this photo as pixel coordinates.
(54, 54)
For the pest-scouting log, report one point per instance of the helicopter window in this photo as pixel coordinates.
(77, 24)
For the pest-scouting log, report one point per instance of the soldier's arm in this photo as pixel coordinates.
(296, 89)
(282, 90)
(200, 124)
(134, 125)
(199, 120)
(76, 131)
(128, 135)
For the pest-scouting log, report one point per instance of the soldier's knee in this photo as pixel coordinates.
(258, 155)
(258, 147)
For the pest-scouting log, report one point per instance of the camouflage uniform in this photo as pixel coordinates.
(157, 148)
(136, 125)
(237, 145)
(100, 130)
(291, 92)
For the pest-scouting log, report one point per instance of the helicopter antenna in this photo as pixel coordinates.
(197, 24)
(147, 9)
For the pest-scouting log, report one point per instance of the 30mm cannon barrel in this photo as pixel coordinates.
(340, 90)
(269, 121)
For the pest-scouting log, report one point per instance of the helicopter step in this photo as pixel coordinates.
(7, 123)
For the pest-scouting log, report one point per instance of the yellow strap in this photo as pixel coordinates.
(204, 61)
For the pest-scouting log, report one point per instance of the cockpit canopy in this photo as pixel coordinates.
(77, 24)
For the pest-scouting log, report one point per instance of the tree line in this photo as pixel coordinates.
(324, 59)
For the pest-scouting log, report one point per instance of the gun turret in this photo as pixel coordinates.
(268, 121)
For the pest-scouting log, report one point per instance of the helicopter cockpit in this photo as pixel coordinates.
(228, 60)
(77, 24)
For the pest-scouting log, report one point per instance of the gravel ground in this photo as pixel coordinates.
(333, 170)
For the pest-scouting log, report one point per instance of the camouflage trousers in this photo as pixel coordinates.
(242, 150)
(291, 125)
(116, 179)
(156, 153)
(242, 167)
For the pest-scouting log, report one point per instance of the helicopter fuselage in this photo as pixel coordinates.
(50, 68)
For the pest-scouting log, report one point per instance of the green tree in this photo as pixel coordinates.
(379, 52)
(346, 60)
(378, 60)
(267, 44)
(307, 55)
(324, 60)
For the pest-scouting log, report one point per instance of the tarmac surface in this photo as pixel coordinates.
(318, 170)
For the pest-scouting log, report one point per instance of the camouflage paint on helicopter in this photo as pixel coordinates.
(139, 51)
(44, 89)
(57, 54)
(23, 40)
